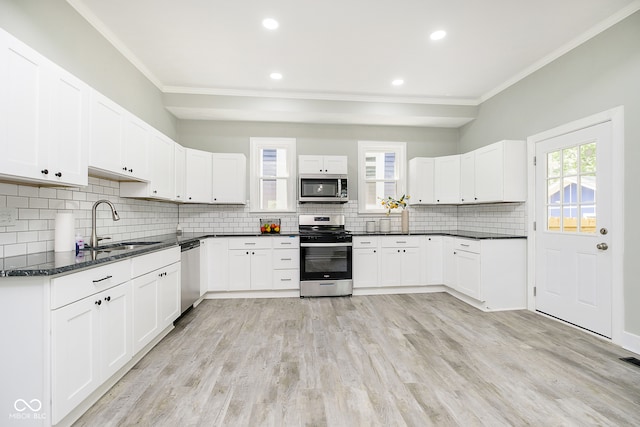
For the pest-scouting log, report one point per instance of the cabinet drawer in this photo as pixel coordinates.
(74, 287)
(286, 259)
(286, 279)
(254, 243)
(153, 261)
(286, 242)
(468, 245)
(365, 242)
(400, 242)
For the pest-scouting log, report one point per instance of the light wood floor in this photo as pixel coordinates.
(389, 360)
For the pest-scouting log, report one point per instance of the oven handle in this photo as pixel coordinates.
(324, 245)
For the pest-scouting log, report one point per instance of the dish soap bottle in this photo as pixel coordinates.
(79, 244)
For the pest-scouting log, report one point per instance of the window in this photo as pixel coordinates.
(381, 173)
(571, 189)
(273, 175)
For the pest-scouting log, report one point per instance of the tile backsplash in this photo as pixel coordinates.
(27, 216)
(34, 211)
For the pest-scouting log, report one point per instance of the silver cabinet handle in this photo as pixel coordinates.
(401, 241)
(285, 280)
(249, 243)
(464, 244)
(285, 259)
(103, 279)
(285, 243)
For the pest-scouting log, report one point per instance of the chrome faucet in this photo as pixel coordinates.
(94, 237)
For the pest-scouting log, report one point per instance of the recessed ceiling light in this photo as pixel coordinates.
(270, 23)
(276, 76)
(397, 82)
(438, 35)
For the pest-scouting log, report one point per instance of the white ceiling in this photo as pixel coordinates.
(333, 51)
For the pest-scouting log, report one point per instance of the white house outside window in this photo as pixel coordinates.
(381, 173)
(272, 175)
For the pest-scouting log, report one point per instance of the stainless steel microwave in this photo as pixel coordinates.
(323, 189)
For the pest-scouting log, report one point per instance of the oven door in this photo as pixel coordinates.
(325, 261)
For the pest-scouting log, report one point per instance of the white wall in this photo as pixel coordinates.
(600, 74)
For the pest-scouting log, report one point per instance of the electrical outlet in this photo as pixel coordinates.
(8, 217)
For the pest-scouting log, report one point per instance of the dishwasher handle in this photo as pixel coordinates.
(189, 245)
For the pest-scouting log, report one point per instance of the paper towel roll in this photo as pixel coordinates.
(65, 236)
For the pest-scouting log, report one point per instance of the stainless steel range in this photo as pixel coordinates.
(325, 256)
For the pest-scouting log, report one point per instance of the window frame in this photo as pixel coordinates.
(255, 145)
(400, 149)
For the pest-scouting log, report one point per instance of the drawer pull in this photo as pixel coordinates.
(285, 259)
(366, 243)
(103, 279)
(285, 243)
(285, 280)
(249, 243)
(464, 244)
(401, 241)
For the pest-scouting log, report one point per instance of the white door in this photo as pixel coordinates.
(573, 235)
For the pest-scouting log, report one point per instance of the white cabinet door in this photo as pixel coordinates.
(180, 161)
(23, 99)
(468, 178)
(261, 269)
(198, 176)
(412, 264)
(115, 329)
(435, 260)
(314, 165)
(310, 164)
(336, 165)
(145, 309)
(68, 130)
(450, 269)
(468, 274)
(421, 181)
(447, 179)
(501, 172)
(229, 178)
(135, 147)
(218, 264)
(239, 270)
(162, 166)
(106, 134)
(169, 295)
(365, 267)
(390, 266)
(75, 333)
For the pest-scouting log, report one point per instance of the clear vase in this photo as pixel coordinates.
(404, 221)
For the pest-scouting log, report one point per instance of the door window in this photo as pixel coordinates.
(571, 189)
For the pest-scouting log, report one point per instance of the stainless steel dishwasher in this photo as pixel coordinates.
(189, 273)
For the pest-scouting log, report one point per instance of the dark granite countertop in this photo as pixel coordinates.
(478, 235)
(52, 263)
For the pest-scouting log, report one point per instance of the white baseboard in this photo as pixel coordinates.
(631, 342)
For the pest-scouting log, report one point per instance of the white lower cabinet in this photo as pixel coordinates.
(490, 271)
(90, 341)
(434, 260)
(365, 262)
(286, 262)
(383, 261)
(250, 264)
(156, 301)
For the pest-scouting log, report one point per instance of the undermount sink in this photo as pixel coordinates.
(125, 246)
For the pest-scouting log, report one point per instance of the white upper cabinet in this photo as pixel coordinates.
(229, 178)
(501, 172)
(468, 178)
(447, 179)
(198, 176)
(313, 165)
(180, 160)
(119, 141)
(162, 168)
(421, 185)
(43, 118)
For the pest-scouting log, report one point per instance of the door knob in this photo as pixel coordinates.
(603, 231)
(602, 246)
